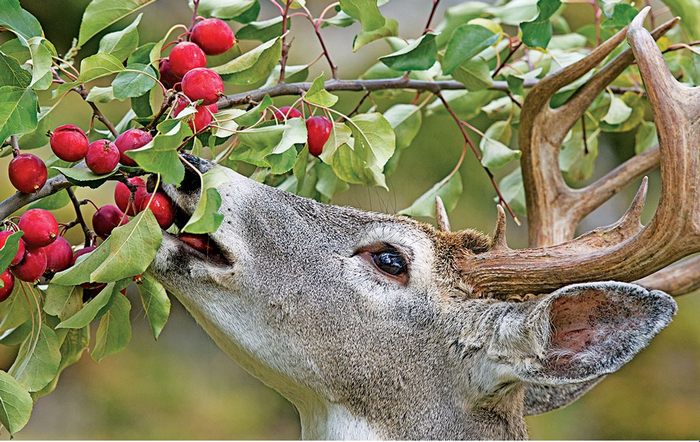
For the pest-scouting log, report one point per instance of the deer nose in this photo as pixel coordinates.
(191, 182)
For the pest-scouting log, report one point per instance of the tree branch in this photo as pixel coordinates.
(19, 200)
(88, 234)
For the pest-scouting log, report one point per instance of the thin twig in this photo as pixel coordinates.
(285, 46)
(195, 8)
(14, 142)
(97, 113)
(512, 50)
(87, 233)
(359, 104)
(430, 17)
(478, 156)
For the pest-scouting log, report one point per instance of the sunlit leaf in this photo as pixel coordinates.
(15, 402)
(99, 14)
(449, 189)
(156, 303)
(417, 56)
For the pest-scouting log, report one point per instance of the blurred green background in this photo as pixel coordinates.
(183, 387)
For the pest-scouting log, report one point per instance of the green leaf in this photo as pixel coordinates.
(262, 30)
(645, 138)
(137, 80)
(576, 159)
(449, 189)
(406, 119)
(252, 67)
(538, 32)
(99, 94)
(156, 303)
(294, 133)
(12, 74)
(364, 11)
(496, 153)
(121, 44)
(82, 176)
(621, 16)
(618, 111)
(206, 217)
(160, 155)
(127, 252)
(252, 116)
(38, 359)
(474, 75)
(19, 20)
(340, 134)
(417, 56)
(456, 16)
(114, 332)
(328, 184)
(317, 95)
(38, 137)
(15, 402)
(18, 111)
(98, 66)
(9, 250)
(293, 74)
(467, 41)
(513, 191)
(92, 309)
(688, 10)
(226, 9)
(75, 341)
(390, 28)
(52, 202)
(42, 52)
(63, 301)
(99, 14)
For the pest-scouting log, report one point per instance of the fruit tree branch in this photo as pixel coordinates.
(19, 200)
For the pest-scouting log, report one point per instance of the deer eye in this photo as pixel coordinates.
(390, 261)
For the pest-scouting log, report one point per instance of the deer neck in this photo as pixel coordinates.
(419, 418)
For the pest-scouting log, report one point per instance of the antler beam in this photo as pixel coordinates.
(555, 209)
(625, 251)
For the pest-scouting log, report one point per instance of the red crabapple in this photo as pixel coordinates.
(213, 35)
(186, 56)
(286, 113)
(201, 119)
(318, 130)
(69, 143)
(59, 255)
(27, 173)
(162, 208)
(20, 247)
(167, 76)
(129, 140)
(32, 266)
(122, 195)
(8, 284)
(106, 219)
(203, 84)
(39, 226)
(102, 157)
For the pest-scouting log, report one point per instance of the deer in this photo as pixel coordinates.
(379, 326)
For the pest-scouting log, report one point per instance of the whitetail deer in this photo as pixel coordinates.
(378, 326)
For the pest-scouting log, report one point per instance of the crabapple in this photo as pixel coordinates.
(122, 195)
(106, 219)
(59, 255)
(69, 143)
(27, 173)
(20, 247)
(186, 56)
(203, 84)
(167, 76)
(129, 140)
(39, 226)
(32, 266)
(213, 35)
(8, 282)
(318, 130)
(162, 208)
(202, 118)
(102, 157)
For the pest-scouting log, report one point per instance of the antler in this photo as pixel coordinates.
(625, 251)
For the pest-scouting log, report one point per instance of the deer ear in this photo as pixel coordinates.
(588, 330)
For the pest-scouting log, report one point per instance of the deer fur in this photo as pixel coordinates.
(362, 356)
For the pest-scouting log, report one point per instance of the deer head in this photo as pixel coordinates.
(378, 326)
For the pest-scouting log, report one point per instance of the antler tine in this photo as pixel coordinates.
(569, 113)
(499, 241)
(441, 218)
(543, 91)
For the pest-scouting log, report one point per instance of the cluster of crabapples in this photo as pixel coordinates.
(42, 250)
